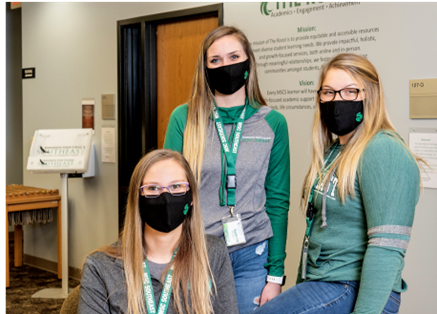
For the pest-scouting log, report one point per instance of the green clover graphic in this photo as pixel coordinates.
(359, 117)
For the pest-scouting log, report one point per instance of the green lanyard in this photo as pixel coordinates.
(166, 290)
(310, 212)
(230, 152)
(310, 209)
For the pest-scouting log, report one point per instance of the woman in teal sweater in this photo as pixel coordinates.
(359, 195)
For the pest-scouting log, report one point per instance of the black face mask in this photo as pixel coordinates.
(229, 78)
(166, 212)
(342, 117)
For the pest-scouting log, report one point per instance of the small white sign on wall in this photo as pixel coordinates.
(108, 145)
(423, 142)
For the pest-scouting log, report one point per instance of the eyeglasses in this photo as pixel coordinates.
(154, 190)
(345, 94)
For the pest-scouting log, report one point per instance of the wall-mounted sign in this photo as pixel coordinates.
(108, 145)
(28, 73)
(423, 142)
(108, 106)
(423, 99)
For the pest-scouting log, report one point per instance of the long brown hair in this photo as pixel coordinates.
(200, 105)
(192, 271)
(375, 120)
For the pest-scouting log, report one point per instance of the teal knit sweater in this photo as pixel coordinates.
(367, 235)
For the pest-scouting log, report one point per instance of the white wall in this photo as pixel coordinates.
(73, 47)
(405, 48)
(14, 112)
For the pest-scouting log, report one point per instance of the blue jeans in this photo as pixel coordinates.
(249, 275)
(317, 297)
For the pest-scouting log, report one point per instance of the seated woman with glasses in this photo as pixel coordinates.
(359, 196)
(163, 261)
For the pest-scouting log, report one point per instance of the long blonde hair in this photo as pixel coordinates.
(200, 105)
(375, 119)
(192, 271)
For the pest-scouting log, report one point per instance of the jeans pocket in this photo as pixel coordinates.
(393, 304)
(339, 290)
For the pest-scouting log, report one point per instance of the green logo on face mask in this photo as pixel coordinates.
(246, 74)
(186, 209)
(359, 117)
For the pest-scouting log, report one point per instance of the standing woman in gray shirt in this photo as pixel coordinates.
(238, 148)
(163, 261)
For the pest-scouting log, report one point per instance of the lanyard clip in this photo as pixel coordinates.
(231, 210)
(306, 243)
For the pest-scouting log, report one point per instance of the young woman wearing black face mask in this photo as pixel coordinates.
(239, 150)
(359, 196)
(163, 262)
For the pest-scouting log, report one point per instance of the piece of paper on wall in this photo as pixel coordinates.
(425, 146)
(108, 145)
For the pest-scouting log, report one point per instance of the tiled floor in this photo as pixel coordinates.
(24, 282)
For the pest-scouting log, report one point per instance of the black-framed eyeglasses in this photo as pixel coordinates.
(154, 190)
(327, 94)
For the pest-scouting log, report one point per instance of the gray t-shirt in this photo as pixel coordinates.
(103, 283)
(156, 269)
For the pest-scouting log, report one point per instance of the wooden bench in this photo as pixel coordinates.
(23, 198)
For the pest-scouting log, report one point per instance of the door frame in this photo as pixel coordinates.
(148, 79)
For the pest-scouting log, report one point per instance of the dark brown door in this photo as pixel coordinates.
(177, 46)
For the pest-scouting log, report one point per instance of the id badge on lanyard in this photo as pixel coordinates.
(232, 225)
(233, 229)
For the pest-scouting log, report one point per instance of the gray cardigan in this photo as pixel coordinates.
(103, 284)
